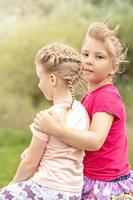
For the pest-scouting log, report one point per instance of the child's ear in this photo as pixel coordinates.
(114, 68)
(53, 79)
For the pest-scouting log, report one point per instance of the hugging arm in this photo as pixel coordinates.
(90, 140)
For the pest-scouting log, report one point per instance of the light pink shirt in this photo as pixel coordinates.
(61, 165)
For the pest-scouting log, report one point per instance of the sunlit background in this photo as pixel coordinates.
(27, 25)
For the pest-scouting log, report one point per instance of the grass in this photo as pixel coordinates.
(12, 143)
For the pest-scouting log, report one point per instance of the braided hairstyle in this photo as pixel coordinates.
(100, 31)
(63, 61)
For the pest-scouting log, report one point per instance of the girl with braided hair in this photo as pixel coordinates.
(51, 169)
(107, 174)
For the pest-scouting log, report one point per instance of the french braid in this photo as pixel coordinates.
(63, 61)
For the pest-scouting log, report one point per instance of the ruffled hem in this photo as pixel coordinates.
(101, 190)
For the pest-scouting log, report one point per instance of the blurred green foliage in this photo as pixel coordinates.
(28, 25)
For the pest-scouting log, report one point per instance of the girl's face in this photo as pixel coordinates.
(97, 62)
(44, 82)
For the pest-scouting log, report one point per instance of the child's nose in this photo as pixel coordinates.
(90, 60)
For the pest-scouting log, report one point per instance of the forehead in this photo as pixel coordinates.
(94, 45)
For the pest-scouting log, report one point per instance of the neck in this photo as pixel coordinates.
(93, 86)
(62, 96)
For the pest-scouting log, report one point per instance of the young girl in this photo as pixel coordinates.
(107, 172)
(51, 169)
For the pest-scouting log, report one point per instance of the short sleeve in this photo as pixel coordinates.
(108, 102)
(78, 119)
(38, 134)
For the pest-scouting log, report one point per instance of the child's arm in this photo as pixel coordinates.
(87, 140)
(24, 153)
(30, 163)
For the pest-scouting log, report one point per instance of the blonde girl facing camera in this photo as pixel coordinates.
(107, 172)
(51, 169)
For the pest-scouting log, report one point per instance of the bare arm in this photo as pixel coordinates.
(30, 163)
(24, 153)
(87, 140)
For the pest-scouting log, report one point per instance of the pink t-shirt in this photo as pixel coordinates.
(111, 160)
(61, 166)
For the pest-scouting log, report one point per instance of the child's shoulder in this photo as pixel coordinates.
(64, 106)
(76, 117)
(107, 91)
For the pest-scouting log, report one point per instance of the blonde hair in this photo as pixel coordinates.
(63, 61)
(100, 31)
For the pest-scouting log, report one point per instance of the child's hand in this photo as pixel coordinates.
(24, 153)
(47, 122)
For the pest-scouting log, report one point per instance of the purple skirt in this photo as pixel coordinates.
(119, 189)
(29, 190)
